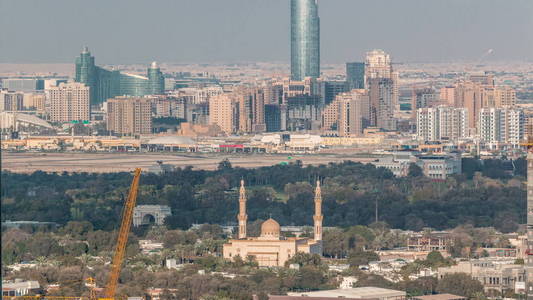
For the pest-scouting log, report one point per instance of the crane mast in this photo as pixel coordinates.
(122, 239)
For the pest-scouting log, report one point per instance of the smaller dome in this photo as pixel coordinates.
(270, 228)
(154, 65)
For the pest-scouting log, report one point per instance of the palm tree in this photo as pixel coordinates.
(85, 259)
(41, 261)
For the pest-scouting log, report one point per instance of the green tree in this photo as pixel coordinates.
(304, 259)
(421, 286)
(335, 243)
(414, 171)
(435, 259)
(224, 165)
(460, 284)
(309, 278)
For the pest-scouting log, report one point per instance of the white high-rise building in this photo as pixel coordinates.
(69, 102)
(441, 123)
(501, 125)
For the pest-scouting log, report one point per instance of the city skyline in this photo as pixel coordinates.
(260, 31)
(377, 149)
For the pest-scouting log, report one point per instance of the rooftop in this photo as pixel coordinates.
(439, 297)
(356, 293)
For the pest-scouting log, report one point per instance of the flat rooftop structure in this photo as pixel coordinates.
(357, 293)
(440, 297)
(311, 298)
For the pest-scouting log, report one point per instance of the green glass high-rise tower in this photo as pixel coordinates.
(156, 81)
(86, 72)
(105, 84)
(355, 75)
(305, 39)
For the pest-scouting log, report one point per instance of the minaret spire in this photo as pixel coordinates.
(318, 212)
(242, 217)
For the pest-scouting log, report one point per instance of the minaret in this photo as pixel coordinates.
(318, 212)
(242, 217)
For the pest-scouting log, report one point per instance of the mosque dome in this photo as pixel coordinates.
(270, 228)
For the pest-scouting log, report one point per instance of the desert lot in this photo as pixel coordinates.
(27, 162)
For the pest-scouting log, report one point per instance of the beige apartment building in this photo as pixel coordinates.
(251, 104)
(330, 116)
(35, 101)
(476, 93)
(447, 96)
(222, 112)
(353, 111)
(504, 96)
(69, 102)
(347, 114)
(129, 115)
(11, 101)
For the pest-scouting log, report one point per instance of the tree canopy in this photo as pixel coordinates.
(481, 197)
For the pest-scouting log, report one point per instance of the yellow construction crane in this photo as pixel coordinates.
(118, 258)
(122, 239)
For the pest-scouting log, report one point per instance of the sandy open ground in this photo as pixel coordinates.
(115, 162)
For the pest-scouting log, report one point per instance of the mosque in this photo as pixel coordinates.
(270, 249)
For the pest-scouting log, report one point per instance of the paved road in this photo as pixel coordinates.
(116, 162)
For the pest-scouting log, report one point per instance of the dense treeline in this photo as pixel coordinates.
(485, 195)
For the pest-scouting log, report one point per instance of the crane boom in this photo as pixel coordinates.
(122, 240)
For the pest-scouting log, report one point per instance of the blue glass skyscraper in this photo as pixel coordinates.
(305, 39)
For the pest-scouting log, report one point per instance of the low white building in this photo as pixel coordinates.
(18, 287)
(435, 166)
(339, 267)
(149, 246)
(150, 214)
(292, 142)
(356, 293)
(494, 273)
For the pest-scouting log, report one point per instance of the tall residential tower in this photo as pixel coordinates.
(69, 102)
(305, 39)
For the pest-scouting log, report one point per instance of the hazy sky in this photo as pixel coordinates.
(139, 31)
